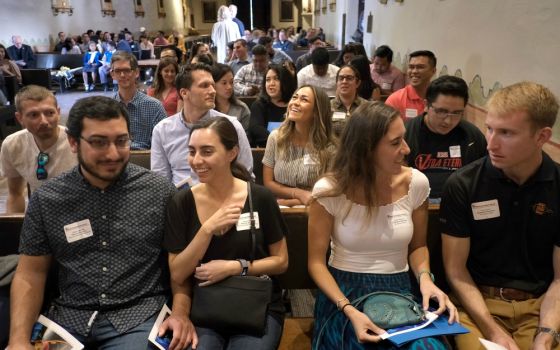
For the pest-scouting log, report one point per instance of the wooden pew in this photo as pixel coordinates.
(10, 229)
(141, 158)
(297, 276)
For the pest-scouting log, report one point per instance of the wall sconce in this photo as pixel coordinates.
(107, 8)
(61, 6)
(384, 2)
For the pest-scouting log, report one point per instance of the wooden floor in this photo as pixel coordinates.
(297, 334)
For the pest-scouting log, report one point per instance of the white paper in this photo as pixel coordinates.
(430, 317)
(153, 336)
(338, 116)
(411, 113)
(486, 209)
(78, 230)
(244, 222)
(488, 345)
(455, 151)
(49, 334)
(308, 160)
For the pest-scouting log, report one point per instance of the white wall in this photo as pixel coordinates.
(35, 22)
(499, 41)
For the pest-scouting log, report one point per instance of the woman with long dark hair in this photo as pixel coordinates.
(206, 241)
(164, 88)
(372, 212)
(226, 102)
(278, 86)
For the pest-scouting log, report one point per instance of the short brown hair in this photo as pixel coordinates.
(124, 56)
(538, 101)
(34, 93)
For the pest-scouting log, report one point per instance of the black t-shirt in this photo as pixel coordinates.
(262, 113)
(438, 156)
(182, 224)
(513, 229)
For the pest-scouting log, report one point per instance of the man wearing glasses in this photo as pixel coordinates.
(144, 111)
(441, 140)
(102, 224)
(37, 153)
(409, 100)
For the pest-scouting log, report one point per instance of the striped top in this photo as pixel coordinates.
(295, 167)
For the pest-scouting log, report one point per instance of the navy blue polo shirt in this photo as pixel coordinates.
(512, 228)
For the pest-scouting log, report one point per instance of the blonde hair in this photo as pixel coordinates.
(320, 135)
(537, 101)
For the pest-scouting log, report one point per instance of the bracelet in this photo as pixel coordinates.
(345, 305)
(555, 334)
(423, 272)
(339, 301)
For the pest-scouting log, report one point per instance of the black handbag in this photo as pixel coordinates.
(237, 304)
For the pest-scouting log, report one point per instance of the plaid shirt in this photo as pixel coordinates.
(246, 77)
(118, 269)
(144, 113)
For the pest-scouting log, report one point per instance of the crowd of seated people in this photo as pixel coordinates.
(337, 150)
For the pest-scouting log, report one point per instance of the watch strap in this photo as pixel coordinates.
(244, 266)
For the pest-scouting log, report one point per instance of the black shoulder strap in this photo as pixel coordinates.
(252, 223)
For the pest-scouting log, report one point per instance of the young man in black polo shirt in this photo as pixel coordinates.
(501, 227)
(440, 140)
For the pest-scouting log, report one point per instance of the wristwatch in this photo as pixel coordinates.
(244, 266)
(555, 334)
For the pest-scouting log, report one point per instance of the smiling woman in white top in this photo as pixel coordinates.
(372, 212)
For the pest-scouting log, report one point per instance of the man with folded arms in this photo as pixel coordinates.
(500, 219)
(102, 225)
(39, 151)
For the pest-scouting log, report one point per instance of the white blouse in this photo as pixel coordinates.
(378, 244)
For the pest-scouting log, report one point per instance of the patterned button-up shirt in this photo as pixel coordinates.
(144, 113)
(246, 77)
(113, 268)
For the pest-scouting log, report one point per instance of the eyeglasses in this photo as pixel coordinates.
(348, 78)
(42, 160)
(125, 71)
(102, 144)
(442, 113)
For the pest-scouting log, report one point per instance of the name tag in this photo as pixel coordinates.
(78, 230)
(411, 113)
(486, 210)
(244, 222)
(398, 219)
(308, 160)
(386, 86)
(338, 116)
(455, 151)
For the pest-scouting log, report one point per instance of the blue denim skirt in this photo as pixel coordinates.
(355, 285)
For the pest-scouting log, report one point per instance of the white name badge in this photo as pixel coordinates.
(338, 116)
(455, 151)
(411, 113)
(78, 230)
(244, 222)
(398, 218)
(308, 160)
(386, 86)
(486, 210)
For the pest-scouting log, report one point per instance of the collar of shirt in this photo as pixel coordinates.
(544, 173)
(411, 93)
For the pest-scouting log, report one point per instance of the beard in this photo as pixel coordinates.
(92, 168)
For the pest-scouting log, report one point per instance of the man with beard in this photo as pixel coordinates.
(144, 111)
(37, 153)
(102, 224)
(170, 139)
(409, 100)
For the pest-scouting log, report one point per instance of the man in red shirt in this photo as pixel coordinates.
(409, 101)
